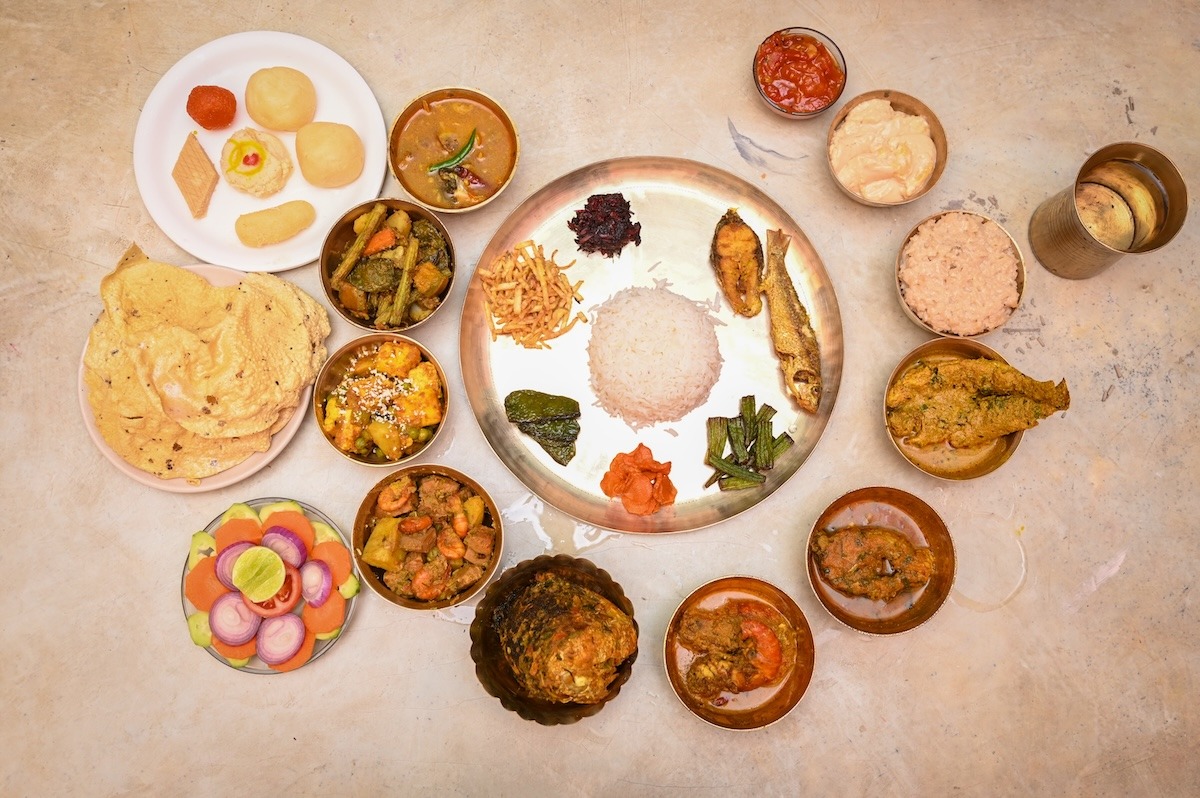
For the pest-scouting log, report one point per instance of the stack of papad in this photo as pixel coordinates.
(185, 379)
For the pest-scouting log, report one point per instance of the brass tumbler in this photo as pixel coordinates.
(1127, 198)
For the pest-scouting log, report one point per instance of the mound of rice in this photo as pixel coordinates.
(653, 356)
(958, 274)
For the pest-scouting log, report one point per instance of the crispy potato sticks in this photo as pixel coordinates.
(529, 297)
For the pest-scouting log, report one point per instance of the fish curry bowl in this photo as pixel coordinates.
(427, 537)
(387, 265)
(554, 638)
(453, 149)
(956, 409)
(381, 399)
(881, 560)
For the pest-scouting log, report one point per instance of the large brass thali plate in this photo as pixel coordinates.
(678, 203)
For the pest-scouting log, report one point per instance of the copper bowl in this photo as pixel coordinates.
(493, 670)
(945, 461)
(399, 147)
(373, 576)
(752, 709)
(905, 104)
(917, 521)
(824, 41)
(342, 234)
(912, 313)
(338, 365)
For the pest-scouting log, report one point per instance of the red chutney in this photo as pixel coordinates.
(797, 72)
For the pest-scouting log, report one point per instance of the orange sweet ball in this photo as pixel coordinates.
(212, 107)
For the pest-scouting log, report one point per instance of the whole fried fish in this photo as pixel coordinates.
(737, 257)
(791, 331)
(968, 402)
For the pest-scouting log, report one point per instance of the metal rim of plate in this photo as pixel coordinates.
(678, 203)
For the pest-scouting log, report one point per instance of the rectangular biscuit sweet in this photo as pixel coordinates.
(195, 176)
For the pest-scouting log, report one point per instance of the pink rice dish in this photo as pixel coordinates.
(959, 274)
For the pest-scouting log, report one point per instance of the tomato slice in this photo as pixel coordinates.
(284, 600)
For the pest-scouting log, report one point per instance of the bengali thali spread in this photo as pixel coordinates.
(649, 344)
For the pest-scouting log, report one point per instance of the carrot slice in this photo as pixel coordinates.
(327, 617)
(337, 557)
(236, 530)
(244, 651)
(201, 586)
(300, 657)
(294, 522)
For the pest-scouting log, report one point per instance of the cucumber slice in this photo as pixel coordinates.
(199, 630)
(349, 589)
(238, 510)
(203, 545)
(325, 532)
(265, 511)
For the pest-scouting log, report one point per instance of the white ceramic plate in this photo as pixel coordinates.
(218, 276)
(678, 203)
(342, 96)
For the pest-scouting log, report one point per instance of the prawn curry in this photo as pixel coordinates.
(430, 538)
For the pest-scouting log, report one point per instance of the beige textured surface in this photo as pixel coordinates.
(1065, 662)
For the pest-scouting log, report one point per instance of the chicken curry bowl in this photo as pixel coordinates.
(427, 537)
(380, 399)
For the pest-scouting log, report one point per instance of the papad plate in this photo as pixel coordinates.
(218, 276)
(678, 204)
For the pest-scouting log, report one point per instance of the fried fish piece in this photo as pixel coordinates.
(737, 257)
(871, 561)
(791, 331)
(968, 402)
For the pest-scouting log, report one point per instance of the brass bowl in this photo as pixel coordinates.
(340, 236)
(912, 314)
(906, 104)
(945, 461)
(753, 709)
(397, 149)
(825, 42)
(916, 520)
(373, 576)
(494, 672)
(338, 365)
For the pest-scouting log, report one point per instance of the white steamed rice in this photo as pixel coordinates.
(958, 274)
(653, 356)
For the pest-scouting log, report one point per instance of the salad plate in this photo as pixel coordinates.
(319, 539)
